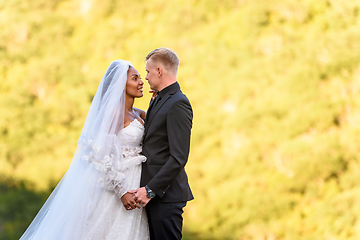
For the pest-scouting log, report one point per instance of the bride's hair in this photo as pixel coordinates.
(166, 56)
(109, 76)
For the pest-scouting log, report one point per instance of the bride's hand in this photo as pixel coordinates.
(129, 202)
(140, 196)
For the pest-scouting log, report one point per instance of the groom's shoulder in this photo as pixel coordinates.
(180, 101)
(180, 96)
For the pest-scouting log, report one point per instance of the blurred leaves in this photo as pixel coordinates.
(18, 205)
(275, 87)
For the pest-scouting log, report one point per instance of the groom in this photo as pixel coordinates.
(165, 188)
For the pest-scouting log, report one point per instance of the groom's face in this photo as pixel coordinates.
(152, 75)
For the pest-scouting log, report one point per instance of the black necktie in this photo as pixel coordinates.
(156, 100)
(152, 105)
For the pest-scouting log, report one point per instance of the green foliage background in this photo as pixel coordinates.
(275, 87)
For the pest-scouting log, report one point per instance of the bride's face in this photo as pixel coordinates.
(134, 84)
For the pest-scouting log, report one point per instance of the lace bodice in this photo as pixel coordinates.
(125, 154)
(130, 138)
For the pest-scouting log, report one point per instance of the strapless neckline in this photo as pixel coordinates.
(135, 122)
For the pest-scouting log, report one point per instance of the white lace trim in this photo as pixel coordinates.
(112, 160)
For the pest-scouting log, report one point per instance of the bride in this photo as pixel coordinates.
(91, 201)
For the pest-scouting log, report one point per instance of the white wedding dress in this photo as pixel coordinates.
(115, 222)
(86, 204)
(72, 214)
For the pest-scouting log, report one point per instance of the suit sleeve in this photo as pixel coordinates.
(179, 124)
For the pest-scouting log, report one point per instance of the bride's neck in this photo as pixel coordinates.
(129, 102)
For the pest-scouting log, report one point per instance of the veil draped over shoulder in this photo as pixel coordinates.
(96, 166)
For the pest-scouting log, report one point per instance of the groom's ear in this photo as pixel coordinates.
(160, 71)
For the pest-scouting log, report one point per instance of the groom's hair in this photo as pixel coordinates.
(165, 56)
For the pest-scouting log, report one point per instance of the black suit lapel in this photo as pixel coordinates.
(153, 111)
(172, 89)
(149, 110)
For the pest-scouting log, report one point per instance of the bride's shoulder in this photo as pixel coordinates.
(140, 112)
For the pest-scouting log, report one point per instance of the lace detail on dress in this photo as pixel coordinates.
(130, 139)
(119, 158)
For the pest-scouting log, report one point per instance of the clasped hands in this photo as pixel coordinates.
(135, 199)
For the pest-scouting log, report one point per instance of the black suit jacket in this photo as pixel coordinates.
(166, 145)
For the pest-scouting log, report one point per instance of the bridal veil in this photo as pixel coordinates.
(96, 166)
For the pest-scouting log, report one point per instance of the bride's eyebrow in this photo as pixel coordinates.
(135, 75)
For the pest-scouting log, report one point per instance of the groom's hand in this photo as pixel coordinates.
(128, 201)
(154, 92)
(140, 196)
